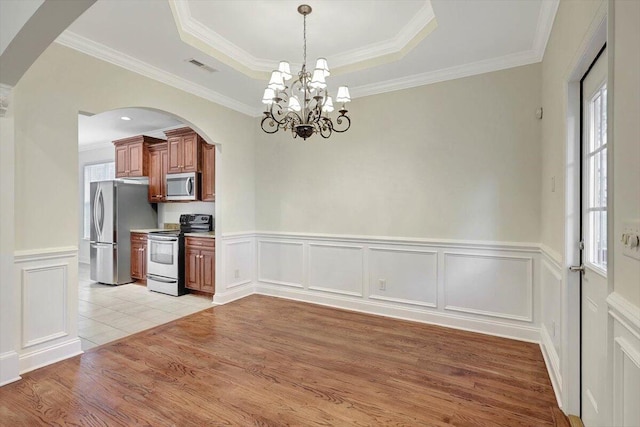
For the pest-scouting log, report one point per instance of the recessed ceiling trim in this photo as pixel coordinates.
(196, 34)
(201, 37)
(107, 54)
(422, 23)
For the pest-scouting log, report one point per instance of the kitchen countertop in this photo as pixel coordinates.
(208, 235)
(145, 230)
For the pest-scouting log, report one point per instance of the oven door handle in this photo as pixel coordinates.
(163, 239)
(160, 279)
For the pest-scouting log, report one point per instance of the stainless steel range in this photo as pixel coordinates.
(165, 257)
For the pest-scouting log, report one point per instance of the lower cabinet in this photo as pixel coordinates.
(200, 265)
(139, 257)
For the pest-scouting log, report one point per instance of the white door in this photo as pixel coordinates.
(594, 238)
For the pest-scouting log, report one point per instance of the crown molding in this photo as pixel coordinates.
(5, 94)
(105, 53)
(445, 74)
(201, 37)
(547, 16)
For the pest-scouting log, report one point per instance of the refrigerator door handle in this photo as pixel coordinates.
(98, 213)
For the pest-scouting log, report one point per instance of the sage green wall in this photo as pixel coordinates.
(47, 100)
(452, 160)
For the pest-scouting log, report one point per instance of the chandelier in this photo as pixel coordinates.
(303, 107)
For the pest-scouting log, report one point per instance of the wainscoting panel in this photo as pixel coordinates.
(626, 361)
(489, 284)
(44, 304)
(48, 313)
(403, 275)
(235, 267)
(336, 268)
(239, 264)
(281, 263)
(551, 320)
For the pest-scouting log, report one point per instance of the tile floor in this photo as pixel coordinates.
(107, 313)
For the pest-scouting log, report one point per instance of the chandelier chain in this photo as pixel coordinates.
(304, 37)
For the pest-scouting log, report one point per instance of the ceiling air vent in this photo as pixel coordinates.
(201, 65)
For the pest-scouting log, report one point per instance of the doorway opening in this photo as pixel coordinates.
(585, 285)
(107, 312)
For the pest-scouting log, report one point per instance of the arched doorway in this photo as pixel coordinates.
(107, 312)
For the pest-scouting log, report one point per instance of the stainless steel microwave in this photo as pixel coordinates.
(183, 186)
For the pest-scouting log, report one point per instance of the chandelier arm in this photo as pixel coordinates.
(277, 114)
(326, 128)
(271, 124)
(339, 120)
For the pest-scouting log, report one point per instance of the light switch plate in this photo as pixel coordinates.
(632, 231)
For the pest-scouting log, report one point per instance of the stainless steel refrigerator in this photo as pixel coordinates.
(116, 208)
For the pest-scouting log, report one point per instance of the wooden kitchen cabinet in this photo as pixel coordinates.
(158, 164)
(208, 188)
(184, 146)
(200, 264)
(139, 257)
(132, 156)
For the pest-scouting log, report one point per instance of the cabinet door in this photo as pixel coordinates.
(136, 159)
(191, 268)
(158, 157)
(155, 176)
(143, 261)
(190, 153)
(122, 161)
(164, 154)
(208, 270)
(175, 155)
(137, 268)
(208, 173)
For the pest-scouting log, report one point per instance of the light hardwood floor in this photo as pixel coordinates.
(269, 361)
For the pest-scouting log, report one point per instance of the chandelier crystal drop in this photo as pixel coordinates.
(303, 107)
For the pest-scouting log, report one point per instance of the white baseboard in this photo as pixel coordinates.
(9, 367)
(48, 355)
(236, 293)
(552, 362)
(484, 326)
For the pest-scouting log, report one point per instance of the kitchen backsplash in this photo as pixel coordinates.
(169, 213)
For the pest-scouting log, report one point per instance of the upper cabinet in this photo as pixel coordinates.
(208, 187)
(132, 156)
(158, 163)
(184, 146)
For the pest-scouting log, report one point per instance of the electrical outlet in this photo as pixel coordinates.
(237, 274)
(383, 284)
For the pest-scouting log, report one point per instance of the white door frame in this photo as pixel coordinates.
(594, 39)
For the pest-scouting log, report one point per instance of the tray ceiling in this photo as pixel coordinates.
(373, 46)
